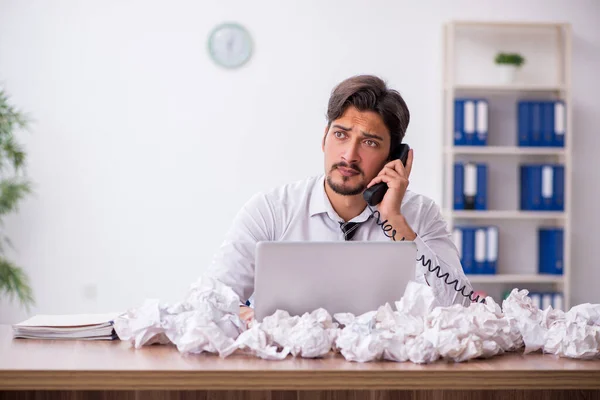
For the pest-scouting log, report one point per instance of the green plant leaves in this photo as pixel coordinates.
(510, 58)
(13, 188)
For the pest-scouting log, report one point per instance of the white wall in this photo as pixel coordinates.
(142, 150)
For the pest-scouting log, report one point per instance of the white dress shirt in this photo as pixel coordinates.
(301, 211)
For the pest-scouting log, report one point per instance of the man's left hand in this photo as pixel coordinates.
(246, 314)
(395, 175)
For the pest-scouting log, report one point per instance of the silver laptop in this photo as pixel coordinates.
(353, 277)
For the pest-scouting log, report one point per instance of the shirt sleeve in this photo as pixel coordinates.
(435, 244)
(233, 263)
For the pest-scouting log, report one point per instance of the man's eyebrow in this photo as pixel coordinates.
(341, 127)
(371, 136)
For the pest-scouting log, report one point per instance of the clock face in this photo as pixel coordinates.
(230, 45)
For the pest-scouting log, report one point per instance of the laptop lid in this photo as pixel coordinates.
(351, 276)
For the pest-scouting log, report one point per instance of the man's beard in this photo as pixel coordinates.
(344, 190)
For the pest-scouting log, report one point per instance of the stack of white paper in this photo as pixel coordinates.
(78, 326)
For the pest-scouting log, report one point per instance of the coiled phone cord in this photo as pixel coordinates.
(427, 264)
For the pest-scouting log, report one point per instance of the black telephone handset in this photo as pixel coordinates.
(375, 193)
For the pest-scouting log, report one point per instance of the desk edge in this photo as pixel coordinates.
(297, 380)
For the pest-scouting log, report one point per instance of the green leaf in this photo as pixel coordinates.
(15, 283)
(11, 192)
(10, 118)
(14, 152)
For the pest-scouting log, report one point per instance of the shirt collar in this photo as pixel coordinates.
(319, 204)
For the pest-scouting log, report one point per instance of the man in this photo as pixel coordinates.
(366, 121)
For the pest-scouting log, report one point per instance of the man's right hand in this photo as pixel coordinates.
(246, 314)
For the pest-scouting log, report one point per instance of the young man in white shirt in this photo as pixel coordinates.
(366, 122)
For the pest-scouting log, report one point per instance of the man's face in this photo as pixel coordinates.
(356, 148)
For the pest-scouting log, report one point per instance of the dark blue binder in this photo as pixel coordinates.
(531, 187)
(481, 115)
(535, 187)
(547, 191)
(536, 124)
(481, 196)
(558, 203)
(524, 188)
(480, 249)
(459, 123)
(469, 121)
(559, 124)
(550, 251)
(470, 185)
(547, 123)
(468, 254)
(459, 196)
(559, 250)
(545, 256)
(523, 123)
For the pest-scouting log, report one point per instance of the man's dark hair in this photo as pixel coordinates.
(370, 93)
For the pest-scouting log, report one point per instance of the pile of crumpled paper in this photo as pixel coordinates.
(418, 330)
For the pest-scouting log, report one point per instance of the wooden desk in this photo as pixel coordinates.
(79, 369)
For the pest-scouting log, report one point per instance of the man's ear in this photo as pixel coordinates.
(324, 136)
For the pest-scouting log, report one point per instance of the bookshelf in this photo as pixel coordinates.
(469, 70)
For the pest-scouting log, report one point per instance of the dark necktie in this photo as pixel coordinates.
(349, 229)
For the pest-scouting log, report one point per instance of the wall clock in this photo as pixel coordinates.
(230, 45)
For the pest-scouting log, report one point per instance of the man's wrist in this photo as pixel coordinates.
(403, 230)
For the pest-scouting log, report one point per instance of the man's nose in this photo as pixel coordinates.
(351, 153)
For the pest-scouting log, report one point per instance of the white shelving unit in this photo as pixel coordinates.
(468, 59)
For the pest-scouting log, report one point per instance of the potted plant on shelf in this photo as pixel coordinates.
(13, 187)
(508, 64)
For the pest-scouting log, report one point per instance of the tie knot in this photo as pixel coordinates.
(349, 229)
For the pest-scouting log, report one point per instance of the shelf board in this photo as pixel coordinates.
(509, 24)
(505, 214)
(507, 150)
(514, 87)
(517, 278)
